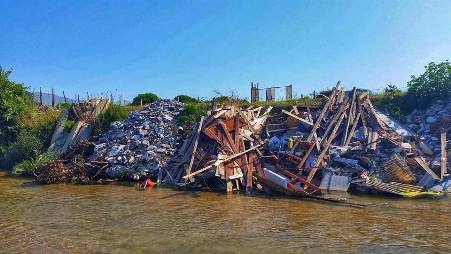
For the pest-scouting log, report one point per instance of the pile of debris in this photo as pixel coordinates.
(301, 150)
(76, 123)
(141, 145)
(429, 123)
(72, 167)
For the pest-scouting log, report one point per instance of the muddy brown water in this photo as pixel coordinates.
(118, 219)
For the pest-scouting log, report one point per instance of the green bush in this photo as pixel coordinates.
(145, 98)
(192, 112)
(433, 84)
(27, 146)
(39, 123)
(185, 99)
(391, 102)
(113, 113)
(30, 166)
(15, 101)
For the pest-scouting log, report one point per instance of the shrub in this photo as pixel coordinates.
(433, 84)
(15, 101)
(30, 166)
(113, 113)
(145, 98)
(39, 123)
(27, 146)
(185, 99)
(192, 112)
(391, 101)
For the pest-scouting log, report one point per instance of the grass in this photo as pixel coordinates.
(112, 114)
(30, 166)
(192, 112)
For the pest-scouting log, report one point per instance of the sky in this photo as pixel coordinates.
(200, 48)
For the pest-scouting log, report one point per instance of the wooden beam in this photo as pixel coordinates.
(426, 168)
(351, 133)
(297, 117)
(223, 161)
(306, 155)
(350, 116)
(323, 112)
(196, 141)
(443, 155)
(321, 156)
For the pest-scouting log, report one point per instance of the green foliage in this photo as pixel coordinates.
(15, 101)
(145, 98)
(113, 113)
(69, 124)
(229, 99)
(192, 112)
(433, 84)
(391, 101)
(63, 106)
(185, 99)
(25, 147)
(30, 166)
(39, 123)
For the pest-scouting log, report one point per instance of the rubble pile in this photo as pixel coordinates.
(72, 167)
(305, 151)
(429, 123)
(76, 123)
(140, 146)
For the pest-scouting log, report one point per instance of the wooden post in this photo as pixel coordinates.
(443, 154)
(65, 99)
(53, 98)
(87, 96)
(213, 103)
(252, 93)
(141, 102)
(40, 96)
(78, 98)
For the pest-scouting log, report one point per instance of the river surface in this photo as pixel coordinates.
(118, 219)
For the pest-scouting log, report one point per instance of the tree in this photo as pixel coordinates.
(145, 98)
(15, 101)
(433, 84)
(185, 98)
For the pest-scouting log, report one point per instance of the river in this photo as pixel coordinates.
(118, 219)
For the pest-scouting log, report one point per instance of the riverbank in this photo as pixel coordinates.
(115, 218)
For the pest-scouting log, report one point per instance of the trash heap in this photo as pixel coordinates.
(76, 123)
(305, 151)
(429, 123)
(141, 145)
(135, 149)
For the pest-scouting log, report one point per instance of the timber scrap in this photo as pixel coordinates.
(289, 149)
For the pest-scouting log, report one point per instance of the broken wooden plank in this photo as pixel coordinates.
(350, 116)
(443, 155)
(297, 117)
(306, 155)
(196, 142)
(321, 156)
(223, 161)
(426, 167)
(351, 133)
(323, 112)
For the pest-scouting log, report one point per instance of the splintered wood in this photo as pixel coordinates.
(224, 147)
(288, 149)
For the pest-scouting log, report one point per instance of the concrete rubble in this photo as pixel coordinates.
(297, 150)
(138, 147)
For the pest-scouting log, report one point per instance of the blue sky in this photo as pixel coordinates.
(175, 47)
